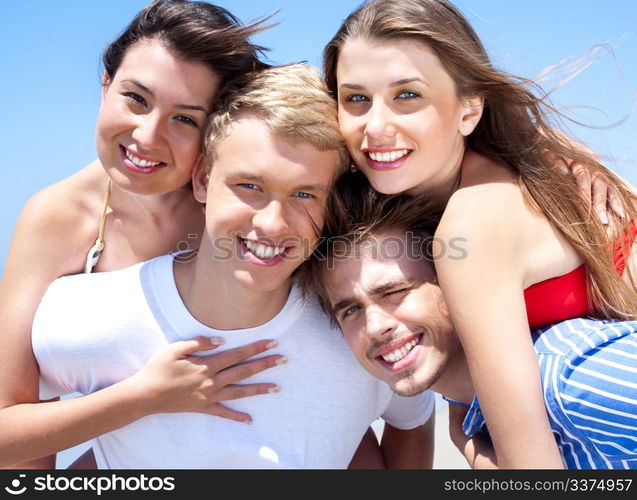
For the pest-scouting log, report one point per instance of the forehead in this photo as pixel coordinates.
(374, 263)
(396, 56)
(250, 147)
(152, 64)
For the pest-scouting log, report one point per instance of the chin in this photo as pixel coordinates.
(261, 285)
(411, 384)
(408, 389)
(387, 184)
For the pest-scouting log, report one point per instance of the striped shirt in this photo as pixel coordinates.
(589, 378)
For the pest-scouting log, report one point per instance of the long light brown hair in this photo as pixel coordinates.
(518, 129)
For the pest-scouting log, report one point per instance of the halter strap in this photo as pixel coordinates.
(96, 250)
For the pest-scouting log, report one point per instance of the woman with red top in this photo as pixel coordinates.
(423, 111)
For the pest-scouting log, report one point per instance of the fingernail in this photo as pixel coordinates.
(603, 217)
(248, 422)
(217, 340)
(272, 344)
(273, 390)
(281, 361)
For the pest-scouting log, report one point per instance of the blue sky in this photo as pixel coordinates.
(50, 53)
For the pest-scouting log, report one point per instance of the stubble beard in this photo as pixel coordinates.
(410, 386)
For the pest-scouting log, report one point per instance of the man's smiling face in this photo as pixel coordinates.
(392, 314)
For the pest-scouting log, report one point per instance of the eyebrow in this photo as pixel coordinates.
(351, 86)
(258, 179)
(191, 107)
(390, 285)
(406, 282)
(403, 81)
(342, 304)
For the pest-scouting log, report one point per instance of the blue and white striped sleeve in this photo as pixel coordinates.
(598, 393)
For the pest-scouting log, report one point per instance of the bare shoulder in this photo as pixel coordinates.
(61, 217)
(65, 202)
(489, 200)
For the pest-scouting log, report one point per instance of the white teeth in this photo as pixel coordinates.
(139, 162)
(388, 156)
(399, 354)
(263, 251)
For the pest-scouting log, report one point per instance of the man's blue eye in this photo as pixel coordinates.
(407, 94)
(356, 98)
(304, 196)
(350, 311)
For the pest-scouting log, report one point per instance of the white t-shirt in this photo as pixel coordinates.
(91, 331)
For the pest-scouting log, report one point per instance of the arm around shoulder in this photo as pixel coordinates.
(36, 258)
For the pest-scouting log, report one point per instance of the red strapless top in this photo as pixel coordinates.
(565, 297)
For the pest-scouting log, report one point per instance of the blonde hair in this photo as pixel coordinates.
(291, 100)
(515, 130)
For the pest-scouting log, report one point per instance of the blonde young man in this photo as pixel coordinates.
(273, 151)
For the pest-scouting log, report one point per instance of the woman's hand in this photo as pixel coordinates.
(595, 191)
(176, 381)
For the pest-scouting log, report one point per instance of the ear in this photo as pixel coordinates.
(442, 307)
(106, 82)
(200, 179)
(472, 108)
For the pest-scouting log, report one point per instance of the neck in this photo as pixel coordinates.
(448, 180)
(455, 382)
(152, 205)
(215, 297)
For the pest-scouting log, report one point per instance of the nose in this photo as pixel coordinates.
(379, 121)
(378, 321)
(148, 132)
(270, 220)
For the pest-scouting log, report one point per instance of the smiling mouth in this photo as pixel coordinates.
(140, 163)
(388, 156)
(263, 254)
(398, 354)
(262, 251)
(387, 160)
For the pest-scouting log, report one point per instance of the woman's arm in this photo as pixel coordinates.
(37, 464)
(484, 293)
(170, 382)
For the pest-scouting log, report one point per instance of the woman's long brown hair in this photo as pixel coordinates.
(515, 130)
